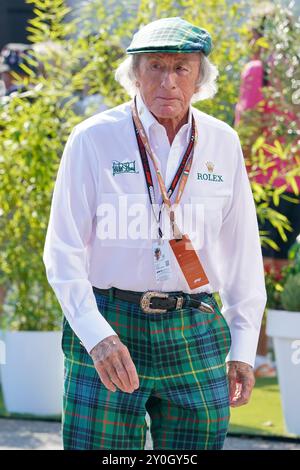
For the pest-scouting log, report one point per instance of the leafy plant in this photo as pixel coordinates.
(270, 136)
(294, 256)
(34, 128)
(274, 289)
(78, 51)
(290, 296)
(282, 288)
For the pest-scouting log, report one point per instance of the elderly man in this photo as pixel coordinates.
(142, 334)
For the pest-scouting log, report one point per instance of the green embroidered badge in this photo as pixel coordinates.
(123, 167)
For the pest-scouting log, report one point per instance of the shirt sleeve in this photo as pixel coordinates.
(70, 227)
(243, 291)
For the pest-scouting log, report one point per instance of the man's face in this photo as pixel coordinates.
(167, 82)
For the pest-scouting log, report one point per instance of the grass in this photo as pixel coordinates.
(262, 416)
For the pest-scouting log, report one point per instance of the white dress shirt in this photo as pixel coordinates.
(101, 223)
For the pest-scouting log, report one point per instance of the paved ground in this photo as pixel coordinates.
(41, 435)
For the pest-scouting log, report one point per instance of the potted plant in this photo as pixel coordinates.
(32, 374)
(283, 325)
(34, 128)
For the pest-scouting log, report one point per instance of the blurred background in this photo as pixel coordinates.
(14, 15)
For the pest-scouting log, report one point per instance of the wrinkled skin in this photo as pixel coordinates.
(167, 83)
(114, 365)
(241, 382)
(115, 368)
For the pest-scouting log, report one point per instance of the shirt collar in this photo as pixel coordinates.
(148, 120)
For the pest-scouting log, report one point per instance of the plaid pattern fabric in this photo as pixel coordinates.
(180, 360)
(171, 35)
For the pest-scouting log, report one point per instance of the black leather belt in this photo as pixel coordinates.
(157, 301)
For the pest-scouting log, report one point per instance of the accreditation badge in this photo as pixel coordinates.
(189, 262)
(161, 259)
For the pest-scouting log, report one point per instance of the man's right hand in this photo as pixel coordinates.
(114, 365)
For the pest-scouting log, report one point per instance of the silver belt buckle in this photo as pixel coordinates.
(146, 299)
(179, 303)
(204, 307)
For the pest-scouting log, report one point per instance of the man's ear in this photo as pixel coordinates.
(197, 86)
(137, 73)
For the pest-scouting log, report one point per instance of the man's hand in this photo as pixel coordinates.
(241, 382)
(114, 365)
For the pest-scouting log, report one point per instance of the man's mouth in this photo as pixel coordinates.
(167, 99)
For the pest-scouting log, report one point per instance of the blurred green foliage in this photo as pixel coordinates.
(271, 140)
(283, 287)
(78, 51)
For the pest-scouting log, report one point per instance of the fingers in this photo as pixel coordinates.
(113, 373)
(104, 377)
(233, 387)
(131, 370)
(114, 365)
(244, 392)
(122, 374)
(119, 377)
(241, 382)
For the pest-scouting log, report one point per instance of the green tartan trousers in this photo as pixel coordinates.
(180, 360)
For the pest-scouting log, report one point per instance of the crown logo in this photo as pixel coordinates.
(210, 166)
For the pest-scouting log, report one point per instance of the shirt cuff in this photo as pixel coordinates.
(243, 345)
(91, 328)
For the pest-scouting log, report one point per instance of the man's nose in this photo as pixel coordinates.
(169, 80)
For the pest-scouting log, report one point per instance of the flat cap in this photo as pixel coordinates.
(170, 35)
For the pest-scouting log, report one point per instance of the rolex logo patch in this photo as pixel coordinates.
(210, 166)
(123, 167)
(210, 176)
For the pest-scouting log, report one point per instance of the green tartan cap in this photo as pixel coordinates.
(170, 35)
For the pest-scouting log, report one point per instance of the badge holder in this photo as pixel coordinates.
(189, 262)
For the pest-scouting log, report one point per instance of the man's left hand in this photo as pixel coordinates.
(241, 382)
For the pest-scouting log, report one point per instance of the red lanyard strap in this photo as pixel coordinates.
(181, 168)
(182, 172)
(184, 160)
(146, 166)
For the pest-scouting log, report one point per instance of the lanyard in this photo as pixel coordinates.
(182, 171)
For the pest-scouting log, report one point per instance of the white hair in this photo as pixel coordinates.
(208, 73)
